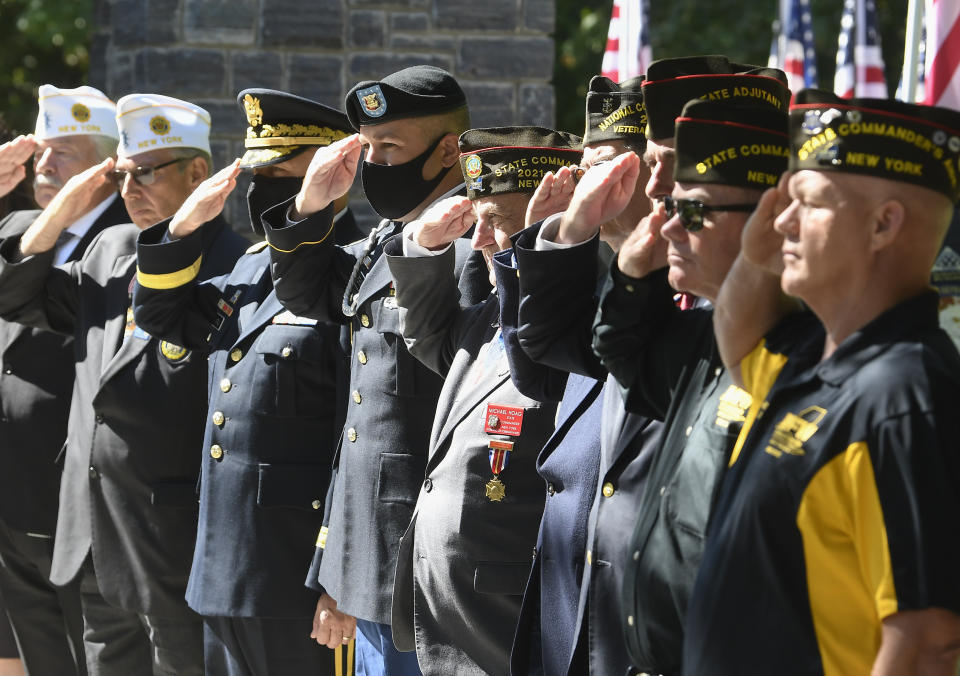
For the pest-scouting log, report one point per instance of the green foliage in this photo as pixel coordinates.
(44, 41)
(741, 30)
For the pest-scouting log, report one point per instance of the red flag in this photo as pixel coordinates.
(942, 83)
(628, 49)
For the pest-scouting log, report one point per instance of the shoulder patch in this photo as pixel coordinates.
(254, 248)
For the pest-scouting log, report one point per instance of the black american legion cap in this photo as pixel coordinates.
(282, 125)
(906, 142)
(615, 112)
(417, 91)
(498, 160)
(670, 83)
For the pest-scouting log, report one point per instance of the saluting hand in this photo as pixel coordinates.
(552, 196)
(206, 202)
(331, 627)
(645, 250)
(602, 193)
(13, 154)
(444, 223)
(330, 175)
(759, 242)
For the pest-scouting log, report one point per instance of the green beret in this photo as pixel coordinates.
(670, 83)
(732, 143)
(905, 142)
(499, 160)
(615, 112)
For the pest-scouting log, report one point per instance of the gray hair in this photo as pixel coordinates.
(189, 153)
(104, 146)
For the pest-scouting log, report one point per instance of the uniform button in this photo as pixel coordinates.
(356, 397)
(689, 431)
(362, 357)
(93, 472)
(550, 489)
(630, 620)
(636, 555)
(286, 352)
(99, 419)
(608, 490)
(218, 418)
(225, 385)
(8, 370)
(427, 485)
(315, 504)
(365, 321)
(216, 452)
(629, 288)
(663, 489)
(236, 355)
(718, 371)
(352, 434)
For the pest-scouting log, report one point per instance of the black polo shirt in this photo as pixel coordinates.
(841, 508)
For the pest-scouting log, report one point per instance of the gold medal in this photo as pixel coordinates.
(496, 490)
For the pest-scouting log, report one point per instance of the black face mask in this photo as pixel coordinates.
(269, 191)
(394, 190)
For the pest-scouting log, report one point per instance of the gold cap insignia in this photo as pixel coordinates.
(251, 105)
(159, 125)
(172, 352)
(80, 112)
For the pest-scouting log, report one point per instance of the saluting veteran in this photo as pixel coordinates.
(127, 501)
(277, 382)
(465, 558)
(835, 544)
(76, 129)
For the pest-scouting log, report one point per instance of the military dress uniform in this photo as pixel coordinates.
(128, 496)
(465, 557)
(35, 385)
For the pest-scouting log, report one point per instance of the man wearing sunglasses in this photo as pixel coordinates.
(665, 358)
(76, 129)
(128, 506)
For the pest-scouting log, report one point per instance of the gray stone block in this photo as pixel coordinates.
(490, 104)
(121, 75)
(317, 77)
(287, 23)
(376, 66)
(256, 69)
(97, 75)
(441, 43)
(409, 21)
(367, 29)
(220, 21)
(227, 119)
(498, 15)
(506, 58)
(537, 106)
(182, 72)
(163, 21)
(412, 4)
(129, 19)
(540, 15)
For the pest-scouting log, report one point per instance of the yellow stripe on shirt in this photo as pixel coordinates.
(759, 371)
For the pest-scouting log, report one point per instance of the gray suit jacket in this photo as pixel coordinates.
(464, 560)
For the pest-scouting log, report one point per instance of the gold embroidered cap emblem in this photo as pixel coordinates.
(80, 112)
(473, 166)
(251, 105)
(172, 352)
(159, 125)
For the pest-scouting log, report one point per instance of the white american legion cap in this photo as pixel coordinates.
(73, 112)
(153, 121)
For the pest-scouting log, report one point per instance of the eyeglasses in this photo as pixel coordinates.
(142, 175)
(692, 211)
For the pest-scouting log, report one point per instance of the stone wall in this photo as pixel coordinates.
(206, 51)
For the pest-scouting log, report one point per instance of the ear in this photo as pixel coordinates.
(888, 220)
(197, 171)
(451, 150)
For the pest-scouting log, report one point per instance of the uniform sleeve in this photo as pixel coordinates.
(309, 271)
(168, 300)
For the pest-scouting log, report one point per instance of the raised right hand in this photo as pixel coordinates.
(552, 196)
(644, 250)
(330, 175)
(206, 202)
(759, 242)
(443, 223)
(13, 155)
(602, 193)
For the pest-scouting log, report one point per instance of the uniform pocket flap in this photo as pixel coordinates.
(290, 342)
(296, 486)
(493, 577)
(174, 494)
(400, 477)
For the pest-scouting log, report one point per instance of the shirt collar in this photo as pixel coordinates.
(80, 226)
(908, 318)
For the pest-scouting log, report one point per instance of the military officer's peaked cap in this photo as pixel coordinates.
(906, 142)
(498, 160)
(417, 91)
(281, 126)
(670, 83)
(731, 143)
(615, 112)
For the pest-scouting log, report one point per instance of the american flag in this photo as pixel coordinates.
(918, 97)
(793, 51)
(628, 47)
(942, 84)
(860, 70)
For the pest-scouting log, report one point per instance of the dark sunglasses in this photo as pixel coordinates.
(692, 211)
(142, 175)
